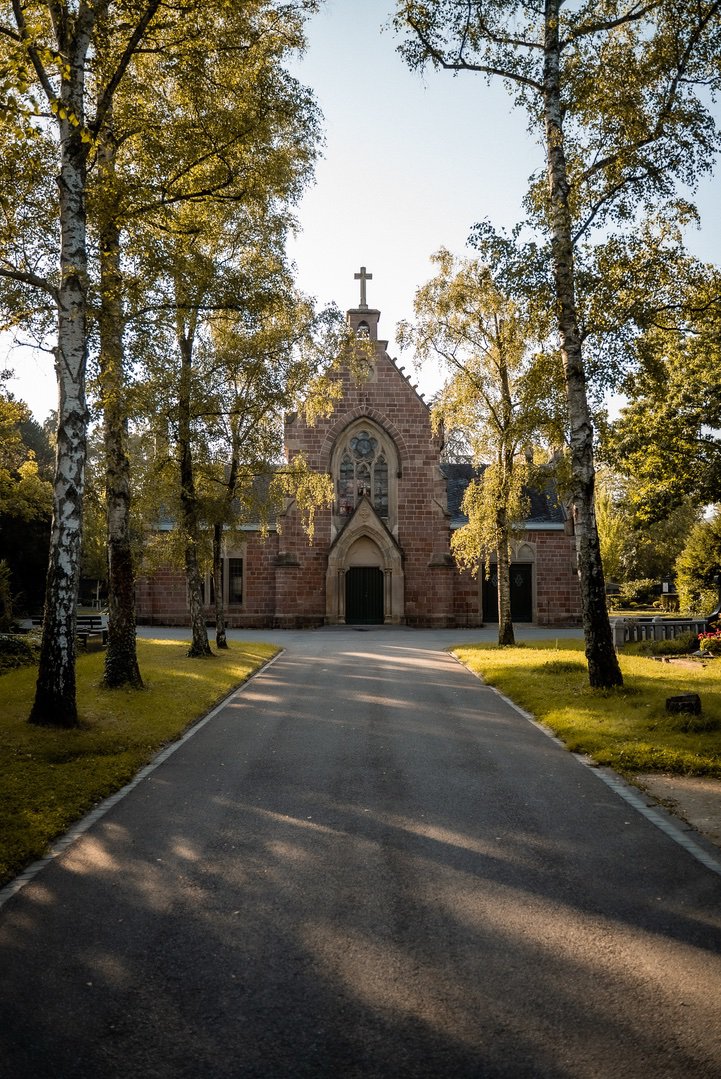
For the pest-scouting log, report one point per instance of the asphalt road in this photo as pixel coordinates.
(366, 864)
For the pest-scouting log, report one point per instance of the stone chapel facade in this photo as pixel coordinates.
(381, 554)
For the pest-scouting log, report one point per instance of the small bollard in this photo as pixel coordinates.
(685, 702)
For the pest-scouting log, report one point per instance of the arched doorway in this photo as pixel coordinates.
(364, 595)
(364, 579)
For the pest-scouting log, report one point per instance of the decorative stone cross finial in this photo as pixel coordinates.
(363, 276)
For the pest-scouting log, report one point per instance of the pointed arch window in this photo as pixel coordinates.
(363, 471)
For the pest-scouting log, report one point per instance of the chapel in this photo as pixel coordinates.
(381, 553)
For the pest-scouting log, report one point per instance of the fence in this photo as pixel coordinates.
(629, 630)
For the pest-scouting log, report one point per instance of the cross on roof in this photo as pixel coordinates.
(363, 276)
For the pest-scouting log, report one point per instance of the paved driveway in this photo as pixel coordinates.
(366, 864)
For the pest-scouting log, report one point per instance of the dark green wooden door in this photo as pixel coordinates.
(521, 593)
(364, 595)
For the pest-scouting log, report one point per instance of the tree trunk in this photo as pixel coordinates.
(221, 640)
(55, 697)
(505, 622)
(505, 462)
(231, 484)
(603, 668)
(200, 645)
(121, 660)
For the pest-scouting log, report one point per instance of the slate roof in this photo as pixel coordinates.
(545, 509)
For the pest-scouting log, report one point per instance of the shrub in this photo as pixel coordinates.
(638, 593)
(6, 599)
(711, 642)
(17, 651)
(687, 642)
(697, 566)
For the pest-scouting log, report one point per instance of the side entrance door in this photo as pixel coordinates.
(521, 593)
(364, 595)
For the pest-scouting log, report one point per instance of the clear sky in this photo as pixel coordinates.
(411, 163)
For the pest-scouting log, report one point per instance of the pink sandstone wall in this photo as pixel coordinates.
(285, 575)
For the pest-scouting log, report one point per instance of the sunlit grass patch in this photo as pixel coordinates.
(49, 777)
(627, 728)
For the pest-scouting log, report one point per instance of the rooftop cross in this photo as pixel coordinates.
(363, 276)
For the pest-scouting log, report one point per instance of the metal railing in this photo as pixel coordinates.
(630, 630)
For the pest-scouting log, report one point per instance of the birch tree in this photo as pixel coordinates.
(496, 397)
(211, 117)
(57, 110)
(82, 85)
(241, 346)
(611, 91)
(273, 360)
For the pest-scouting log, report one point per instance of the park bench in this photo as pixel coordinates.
(87, 625)
(91, 625)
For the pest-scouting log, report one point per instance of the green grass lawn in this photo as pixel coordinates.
(629, 728)
(51, 777)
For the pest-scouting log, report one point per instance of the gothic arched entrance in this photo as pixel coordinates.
(364, 579)
(364, 595)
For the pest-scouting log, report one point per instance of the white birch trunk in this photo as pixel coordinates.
(55, 696)
(603, 667)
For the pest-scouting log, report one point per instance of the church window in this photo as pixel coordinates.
(363, 472)
(380, 487)
(235, 580)
(346, 480)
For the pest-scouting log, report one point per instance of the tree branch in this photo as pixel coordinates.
(464, 65)
(134, 40)
(32, 279)
(671, 94)
(609, 24)
(32, 52)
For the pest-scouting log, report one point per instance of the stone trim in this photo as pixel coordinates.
(365, 523)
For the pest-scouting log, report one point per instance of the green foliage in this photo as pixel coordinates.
(495, 506)
(710, 642)
(16, 651)
(51, 777)
(614, 152)
(612, 530)
(687, 642)
(626, 144)
(638, 593)
(6, 598)
(632, 547)
(25, 505)
(309, 489)
(627, 728)
(666, 440)
(496, 398)
(24, 494)
(698, 565)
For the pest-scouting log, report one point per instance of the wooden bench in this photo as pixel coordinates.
(87, 625)
(92, 625)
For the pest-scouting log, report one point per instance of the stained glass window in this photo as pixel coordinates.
(363, 471)
(380, 487)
